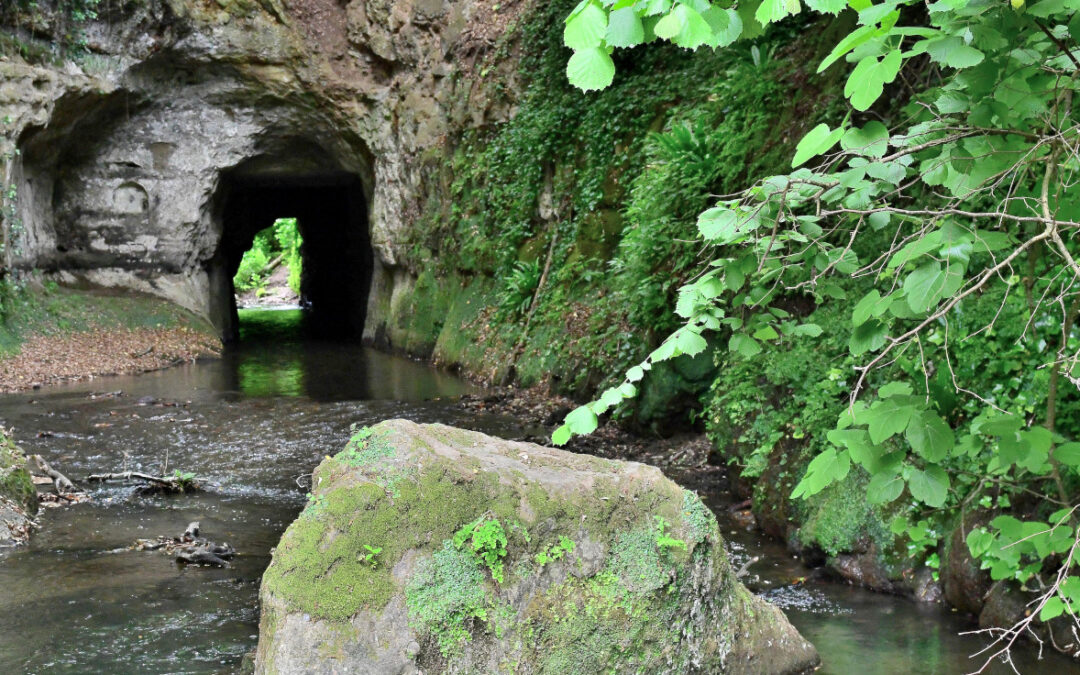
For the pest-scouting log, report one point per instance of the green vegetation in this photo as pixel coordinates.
(278, 244)
(15, 480)
(934, 226)
(556, 551)
(446, 593)
(31, 310)
(485, 539)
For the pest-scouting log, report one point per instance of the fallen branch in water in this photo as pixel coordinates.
(176, 483)
(60, 482)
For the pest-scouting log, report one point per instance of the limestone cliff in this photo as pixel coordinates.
(142, 160)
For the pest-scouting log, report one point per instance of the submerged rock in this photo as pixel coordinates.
(426, 548)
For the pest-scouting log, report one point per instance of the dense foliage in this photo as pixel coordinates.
(949, 243)
(278, 244)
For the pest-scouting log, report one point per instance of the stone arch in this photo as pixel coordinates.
(298, 177)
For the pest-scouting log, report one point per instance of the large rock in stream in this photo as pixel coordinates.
(429, 549)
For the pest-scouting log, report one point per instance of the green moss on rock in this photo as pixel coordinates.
(15, 481)
(646, 584)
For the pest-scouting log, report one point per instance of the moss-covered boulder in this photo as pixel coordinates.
(18, 496)
(426, 548)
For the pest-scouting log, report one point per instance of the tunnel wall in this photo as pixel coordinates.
(122, 155)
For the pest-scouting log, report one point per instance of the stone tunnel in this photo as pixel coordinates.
(150, 166)
(164, 196)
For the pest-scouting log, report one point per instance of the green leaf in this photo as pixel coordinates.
(929, 486)
(868, 79)
(884, 488)
(923, 287)
(868, 337)
(979, 541)
(718, 224)
(827, 6)
(635, 374)
(820, 139)
(766, 333)
(582, 420)
(771, 11)
(895, 389)
(930, 436)
(624, 28)
(726, 25)
(1053, 608)
(807, 329)
(949, 51)
(886, 418)
(872, 140)
(689, 342)
(586, 28)
(561, 435)
(685, 27)
(872, 305)
(590, 69)
(854, 39)
(744, 345)
(1068, 454)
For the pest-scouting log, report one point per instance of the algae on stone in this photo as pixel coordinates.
(503, 556)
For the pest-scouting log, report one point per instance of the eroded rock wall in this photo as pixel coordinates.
(122, 150)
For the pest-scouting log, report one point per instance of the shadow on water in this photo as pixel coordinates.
(252, 425)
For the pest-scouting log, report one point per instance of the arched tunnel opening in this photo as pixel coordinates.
(337, 258)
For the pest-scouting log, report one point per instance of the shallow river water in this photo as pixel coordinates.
(252, 426)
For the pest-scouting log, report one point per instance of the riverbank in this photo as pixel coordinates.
(51, 334)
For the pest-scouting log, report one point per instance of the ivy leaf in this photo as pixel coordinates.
(930, 436)
(585, 29)
(624, 28)
(819, 140)
(590, 69)
(929, 486)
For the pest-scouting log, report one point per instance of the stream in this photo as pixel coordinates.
(252, 425)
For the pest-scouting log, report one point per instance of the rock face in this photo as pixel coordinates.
(426, 548)
(134, 160)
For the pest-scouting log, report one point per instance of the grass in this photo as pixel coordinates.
(54, 310)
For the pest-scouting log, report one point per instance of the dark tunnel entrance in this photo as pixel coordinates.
(331, 211)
